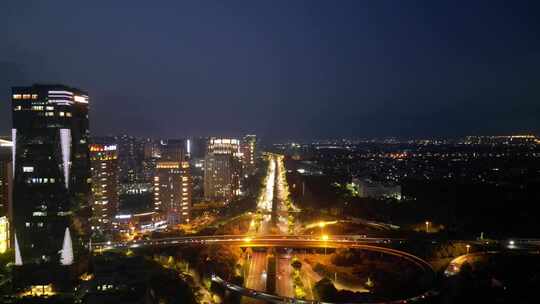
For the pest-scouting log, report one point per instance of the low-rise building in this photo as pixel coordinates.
(375, 189)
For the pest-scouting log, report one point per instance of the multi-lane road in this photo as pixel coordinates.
(272, 217)
(256, 278)
(284, 286)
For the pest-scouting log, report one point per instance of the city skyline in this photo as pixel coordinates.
(420, 75)
(246, 152)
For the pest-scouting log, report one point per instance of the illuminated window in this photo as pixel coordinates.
(17, 108)
(34, 96)
(26, 96)
(17, 96)
(61, 114)
(28, 169)
(49, 108)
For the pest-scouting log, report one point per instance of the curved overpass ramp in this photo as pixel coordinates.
(308, 241)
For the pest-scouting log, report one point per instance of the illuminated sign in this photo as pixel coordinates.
(102, 148)
(81, 99)
(168, 165)
(225, 141)
(60, 93)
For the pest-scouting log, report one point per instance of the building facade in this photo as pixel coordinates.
(222, 169)
(130, 155)
(173, 191)
(375, 189)
(173, 150)
(6, 184)
(51, 166)
(104, 166)
(249, 143)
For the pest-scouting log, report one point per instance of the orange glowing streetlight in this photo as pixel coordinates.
(324, 237)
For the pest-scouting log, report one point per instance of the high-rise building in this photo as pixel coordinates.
(173, 150)
(248, 153)
(149, 169)
(151, 149)
(222, 169)
(172, 191)
(104, 163)
(6, 177)
(130, 156)
(51, 166)
(152, 152)
(6, 184)
(197, 147)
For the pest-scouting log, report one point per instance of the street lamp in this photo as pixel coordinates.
(468, 248)
(325, 239)
(427, 226)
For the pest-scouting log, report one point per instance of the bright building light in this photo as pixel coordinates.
(4, 234)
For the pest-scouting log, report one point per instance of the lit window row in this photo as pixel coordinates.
(40, 180)
(25, 96)
(27, 224)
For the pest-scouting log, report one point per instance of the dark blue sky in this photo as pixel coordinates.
(282, 69)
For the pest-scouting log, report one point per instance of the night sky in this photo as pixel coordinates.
(282, 69)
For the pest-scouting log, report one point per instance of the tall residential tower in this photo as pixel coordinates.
(172, 191)
(222, 169)
(249, 143)
(104, 163)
